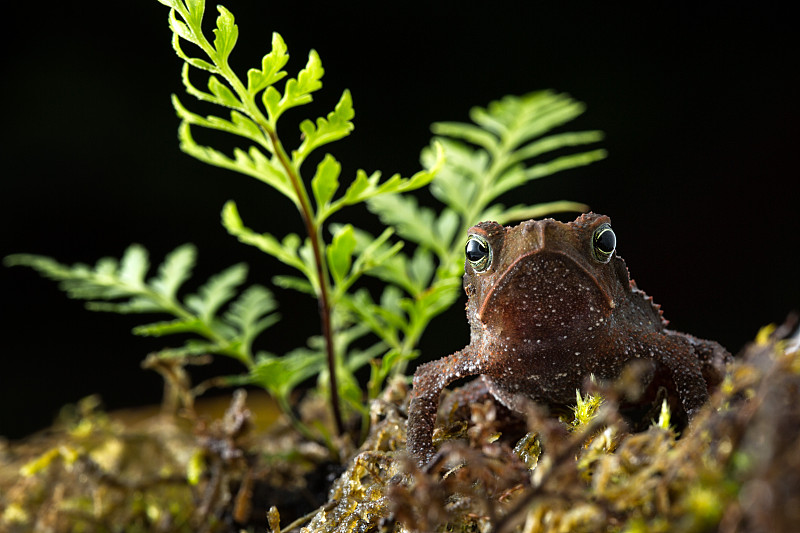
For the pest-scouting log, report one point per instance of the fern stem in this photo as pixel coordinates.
(323, 285)
(306, 213)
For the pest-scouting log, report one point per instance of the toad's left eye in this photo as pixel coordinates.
(479, 253)
(603, 243)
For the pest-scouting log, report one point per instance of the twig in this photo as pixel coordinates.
(506, 523)
(307, 517)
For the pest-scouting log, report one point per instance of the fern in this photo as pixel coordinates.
(221, 317)
(121, 286)
(326, 268)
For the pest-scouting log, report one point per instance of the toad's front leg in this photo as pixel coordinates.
(429, 381)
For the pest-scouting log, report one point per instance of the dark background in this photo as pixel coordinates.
(699, 107)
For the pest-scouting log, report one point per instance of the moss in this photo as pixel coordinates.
(735, 468)
(736, 465)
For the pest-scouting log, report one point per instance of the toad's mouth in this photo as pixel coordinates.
(545, 288)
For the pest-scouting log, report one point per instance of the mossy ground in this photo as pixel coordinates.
(735, 468)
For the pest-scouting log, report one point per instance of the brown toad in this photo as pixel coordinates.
(550, 304)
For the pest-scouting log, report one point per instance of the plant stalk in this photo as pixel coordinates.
(322, 276)
(306, 214)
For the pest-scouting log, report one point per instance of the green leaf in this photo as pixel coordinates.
(340, 252)
(253, 162)
(193, 61)
(271, 99)
(389, 360)
(251, 314)
(217, 291)
(421, 268)
(537, 121)
(286, 251)
(505, 138)
(225, 34)
(371, 316)
(488, 121)
(119, 286)
(395, 271)
(467, 132)
(196, 10)
(351, 392)
(517, 176)
(337, 125)
(294, 283)
(169, 327)
(238, 125)
(79, 281)
(326, 181)
(374, 251)
(411, 221)
(280, 375)
(457, 184)
(223, 95)
(447, 225)
(192, 347)
(181, 29)
(356, 358)
(271, 65)
(251, 307)
(555, 142)
(308, 81)
(367, 187)
(247, 128)
(175, 270)
(297, 91)
(432, 301)
(137, 304)
(390, 301)
(133, 266)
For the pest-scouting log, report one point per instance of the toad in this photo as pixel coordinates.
(549, 305)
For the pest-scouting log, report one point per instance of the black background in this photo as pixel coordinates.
(698, 104)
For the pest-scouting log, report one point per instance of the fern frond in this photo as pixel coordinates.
(121, 286)
(175, 270)
(251, 313)
(110, 278)
(281, 374)
(217, 291)
(494, 157)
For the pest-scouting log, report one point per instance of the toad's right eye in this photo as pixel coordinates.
(604, 242)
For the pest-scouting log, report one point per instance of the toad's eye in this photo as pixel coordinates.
(603, 243)
(479, 253)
